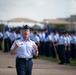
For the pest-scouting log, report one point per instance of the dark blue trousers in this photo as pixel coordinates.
(48, 49)
(67, 56)
(6, 45)
(61, 52)
(24, 67)
(73, 51)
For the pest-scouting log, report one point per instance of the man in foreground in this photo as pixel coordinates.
(24, 49)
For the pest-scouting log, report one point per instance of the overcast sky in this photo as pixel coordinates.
(37, 9)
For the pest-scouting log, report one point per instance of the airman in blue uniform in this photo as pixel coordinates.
(24, 49)
(67, 48)
(73, 42)
(61, 48)
(6, 40)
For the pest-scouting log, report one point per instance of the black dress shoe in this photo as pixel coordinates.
(61, 63)
(68, 63)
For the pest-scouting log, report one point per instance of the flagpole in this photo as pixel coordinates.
(57, 57)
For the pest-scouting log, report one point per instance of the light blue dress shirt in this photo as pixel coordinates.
(1, 35)
(42, 37)
(6, 35)
(36, 39)
(49, 38)
(25, 50)
(67, 40)
(18, 36)
(55, 38)
(73, 40)
(61, 40)
(31, 36)
(12, 36)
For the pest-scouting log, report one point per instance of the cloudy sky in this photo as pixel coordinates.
(37, 9)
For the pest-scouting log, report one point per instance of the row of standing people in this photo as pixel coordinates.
(9, 37)
(61, 44)
(64, 43)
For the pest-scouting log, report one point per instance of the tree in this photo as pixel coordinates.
(2, 27)
(60, 27)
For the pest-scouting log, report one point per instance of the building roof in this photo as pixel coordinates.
(21, 20)
(55, 21)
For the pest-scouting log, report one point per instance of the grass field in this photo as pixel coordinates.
(72, 62)
(3, 44)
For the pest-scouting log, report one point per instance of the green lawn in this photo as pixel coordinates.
(3, 44)
(48, 58)
(72, 62)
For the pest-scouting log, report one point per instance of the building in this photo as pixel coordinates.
(70, 22)
(56, 23)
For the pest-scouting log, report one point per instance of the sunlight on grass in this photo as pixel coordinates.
(72, 62)
(48, 58)
(3, 44)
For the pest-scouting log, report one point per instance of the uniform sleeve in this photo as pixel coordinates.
(44, 36)
(56, 38)
(65, 41)
(10, 35)
(50, 38)
(1, 35)
(38, 39)
(68, 41)
(33, 50)
(75, 38)
(15, 36)
(13, 45)
(7, 34)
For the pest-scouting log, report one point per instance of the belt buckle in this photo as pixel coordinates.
(27, 59)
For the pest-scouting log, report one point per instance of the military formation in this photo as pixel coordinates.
(57, 44)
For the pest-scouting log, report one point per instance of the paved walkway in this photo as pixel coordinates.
(40, 67)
